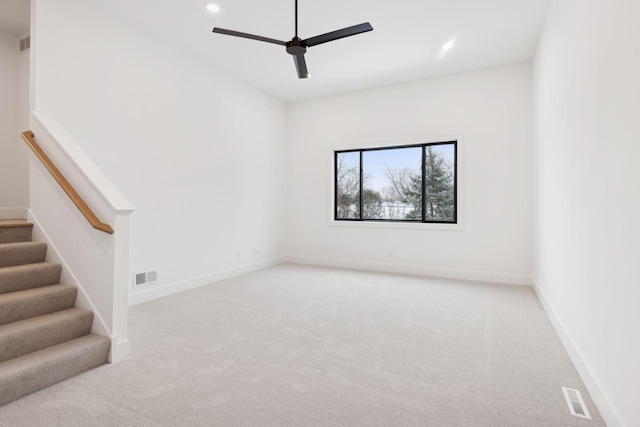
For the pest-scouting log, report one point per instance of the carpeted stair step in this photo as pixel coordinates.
(32, 372)
(15, 230)
(44, 339)
(22, 253)
(21, 305)
(21, 277)
(27, 336)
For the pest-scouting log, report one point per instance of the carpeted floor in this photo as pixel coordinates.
(305, 346)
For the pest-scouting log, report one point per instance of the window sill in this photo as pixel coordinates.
(396, 225)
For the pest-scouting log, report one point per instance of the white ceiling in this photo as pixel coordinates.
(404, 45)
(14, 16)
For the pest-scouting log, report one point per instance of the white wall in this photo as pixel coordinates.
(13, 100)
(587, 182)
(24, 94)
(197, 153)
(490, 108)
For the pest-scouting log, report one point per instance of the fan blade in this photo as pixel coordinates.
(301, 66)
(248, 36)
(340, 34)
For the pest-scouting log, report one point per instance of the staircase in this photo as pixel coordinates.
(44, 338)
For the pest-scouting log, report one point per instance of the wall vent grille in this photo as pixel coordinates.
(25, 44)
(145, 278)
(575, 403)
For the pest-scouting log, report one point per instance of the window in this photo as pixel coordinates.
(412, 183)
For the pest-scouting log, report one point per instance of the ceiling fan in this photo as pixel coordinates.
(298, 47)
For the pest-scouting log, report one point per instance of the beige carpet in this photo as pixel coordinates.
(304, 346)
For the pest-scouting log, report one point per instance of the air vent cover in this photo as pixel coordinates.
(25, 43)
(145, 278)
(575, 402)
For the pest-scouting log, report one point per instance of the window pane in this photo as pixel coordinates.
(392, 184)
(348, 185)
(439, 182)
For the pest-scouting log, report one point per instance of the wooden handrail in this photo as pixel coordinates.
(66, 186)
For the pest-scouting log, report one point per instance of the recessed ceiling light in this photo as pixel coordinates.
(212, 7)
(448, 45)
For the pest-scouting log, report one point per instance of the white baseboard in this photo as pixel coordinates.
(119, 350)
(13, 213)
(418, 270)
(599, 397)
(139, 296)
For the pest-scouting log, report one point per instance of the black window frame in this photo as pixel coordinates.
(424, 220)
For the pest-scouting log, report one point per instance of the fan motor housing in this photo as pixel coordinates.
(296, 47)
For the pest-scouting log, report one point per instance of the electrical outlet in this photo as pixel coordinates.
(390, 253)
(238, 255)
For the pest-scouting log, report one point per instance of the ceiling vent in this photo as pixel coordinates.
(25, 44)
(575, 402)
(145, 278)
